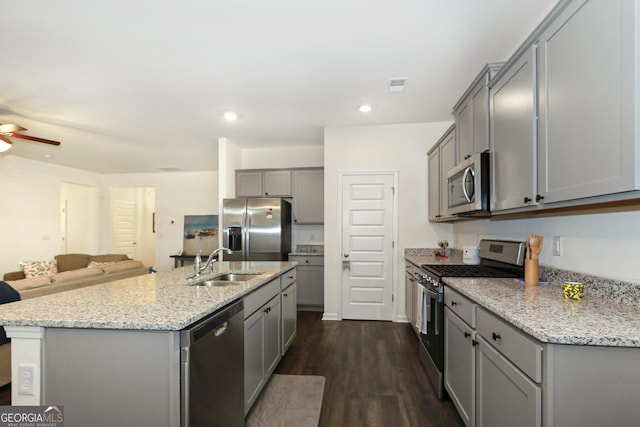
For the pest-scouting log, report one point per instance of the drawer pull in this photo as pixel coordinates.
(495, 336)
(453, 303)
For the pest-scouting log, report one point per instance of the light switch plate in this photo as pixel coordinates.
(557, 246)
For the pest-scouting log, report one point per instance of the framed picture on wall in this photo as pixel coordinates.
(200, 234)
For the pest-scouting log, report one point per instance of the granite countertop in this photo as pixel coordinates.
(542, 312)
(417, 260)
(161, 301)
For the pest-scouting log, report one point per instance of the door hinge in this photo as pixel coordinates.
(392, 298)
(393, 190)
(393, 244)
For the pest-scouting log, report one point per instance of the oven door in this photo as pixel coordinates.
(433, 335)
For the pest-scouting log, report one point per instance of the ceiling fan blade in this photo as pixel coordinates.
(11, 128)
(33, 138)
(5, 143)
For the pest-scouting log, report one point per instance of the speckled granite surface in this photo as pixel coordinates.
(161, 301)
(542, 312)
(305, 250)
(609, 315)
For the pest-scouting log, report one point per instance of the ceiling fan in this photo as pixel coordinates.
(14, 131)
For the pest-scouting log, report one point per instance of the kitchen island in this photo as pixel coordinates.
(526, 354)
(112, 351)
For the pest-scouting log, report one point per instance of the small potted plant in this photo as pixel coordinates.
(444, 244)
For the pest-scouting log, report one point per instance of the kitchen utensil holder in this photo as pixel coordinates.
(531, 272)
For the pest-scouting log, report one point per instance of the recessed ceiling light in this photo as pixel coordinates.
(365, 108)
(48, 156)
(230, 115)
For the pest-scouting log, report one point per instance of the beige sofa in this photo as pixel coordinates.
(74, 271)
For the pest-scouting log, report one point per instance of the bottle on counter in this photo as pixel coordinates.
(197, 262)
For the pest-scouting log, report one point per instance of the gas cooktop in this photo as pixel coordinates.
(465, 270)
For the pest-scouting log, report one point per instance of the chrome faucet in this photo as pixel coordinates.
(211, 260)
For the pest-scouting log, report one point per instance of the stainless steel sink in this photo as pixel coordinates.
(236, 277)
(226, 279)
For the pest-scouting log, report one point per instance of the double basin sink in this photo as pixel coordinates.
(225, 279)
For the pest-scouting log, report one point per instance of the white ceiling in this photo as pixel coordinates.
(139, 86)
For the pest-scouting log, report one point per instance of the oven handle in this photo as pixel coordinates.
(439, 300)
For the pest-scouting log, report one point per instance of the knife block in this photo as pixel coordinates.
(531, 273)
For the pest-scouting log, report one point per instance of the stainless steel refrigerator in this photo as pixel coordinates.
(256, 229)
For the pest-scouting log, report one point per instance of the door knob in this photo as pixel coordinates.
(346, 255)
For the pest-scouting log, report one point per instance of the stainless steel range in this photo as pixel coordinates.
(498, 258)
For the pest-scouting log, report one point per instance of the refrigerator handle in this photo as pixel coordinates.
(247, 235)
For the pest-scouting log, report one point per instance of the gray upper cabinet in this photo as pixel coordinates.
(564, 111)
(308, 196)
(249, 184)
(263, 183)
(513, 135)
(472, 115)
(442, 157)
(586, 85)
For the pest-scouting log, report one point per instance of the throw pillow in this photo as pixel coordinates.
(94, 264)
(39, 268)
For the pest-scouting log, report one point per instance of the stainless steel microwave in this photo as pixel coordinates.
(468, 187)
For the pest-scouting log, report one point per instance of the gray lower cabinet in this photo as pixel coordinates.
(289, 306)
(505, 396)
(509, 375)
(310, 279)
(412, 296)
(262, 329)
(460, 354)
(520, 381)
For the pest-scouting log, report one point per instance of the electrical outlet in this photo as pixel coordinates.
(26, 378)
(557, 246)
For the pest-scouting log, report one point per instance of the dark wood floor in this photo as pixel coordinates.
(5, 395)
(373, 374)
(372, 371)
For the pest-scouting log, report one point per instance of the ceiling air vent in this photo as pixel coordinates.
(397, 85)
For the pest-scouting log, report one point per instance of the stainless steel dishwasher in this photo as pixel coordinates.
(212, 369)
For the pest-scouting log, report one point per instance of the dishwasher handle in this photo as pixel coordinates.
(215, 323)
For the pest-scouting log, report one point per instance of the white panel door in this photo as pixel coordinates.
(125, 229)
(367, 246)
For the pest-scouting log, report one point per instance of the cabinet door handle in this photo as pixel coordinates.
(453, 303)
(474, 343)
(285, 295)
(495, 336)
(539, 197)
(527, 199)
(467, 334)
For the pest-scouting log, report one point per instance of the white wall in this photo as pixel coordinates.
(599, 243)
(82, 220)
(401, 147)
(30, 194)
(177, 194)
(283, 157)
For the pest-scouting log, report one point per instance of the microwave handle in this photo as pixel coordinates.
(467, 171)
